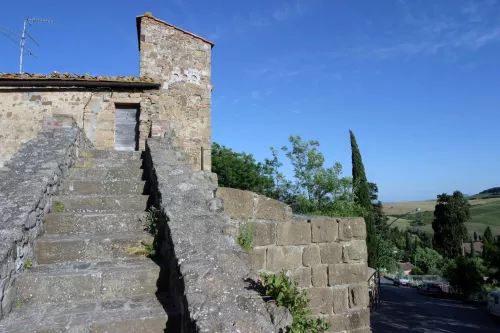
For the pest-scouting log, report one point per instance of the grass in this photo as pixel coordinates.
(58, 206)
(484, 212)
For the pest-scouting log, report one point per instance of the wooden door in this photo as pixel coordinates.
(126, 127)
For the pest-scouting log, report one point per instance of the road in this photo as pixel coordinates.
(404, 310)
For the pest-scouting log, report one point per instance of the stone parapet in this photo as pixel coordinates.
(326, 256)
(207, 271)
(27, 183)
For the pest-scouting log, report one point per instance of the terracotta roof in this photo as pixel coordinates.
(150, 16)
(73, 77)
(477, 246)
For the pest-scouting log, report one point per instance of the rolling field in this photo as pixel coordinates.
(404, 207)
(484, 212)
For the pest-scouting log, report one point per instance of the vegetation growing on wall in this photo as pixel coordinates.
(245, 236)
(287, 294)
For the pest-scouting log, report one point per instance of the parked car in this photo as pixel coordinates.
(494, 303)
(430, 289)
(401, 281)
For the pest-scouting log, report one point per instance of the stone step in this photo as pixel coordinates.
(97, 174)
(60, 248)
(139, 314)
(93, 203)
(105, 187)
(94, 223)
(107, 163)
(110, 154)
(87, 280)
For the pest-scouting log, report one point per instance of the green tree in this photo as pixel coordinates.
(317, 189)
(465, 275)
(362, 197)
(417, 271)
(388, 255)
(361, 187)
(488, 235)
(450, 214)
(272, 168)
(379, 217)
(408, 241)
(240, 170)
(429, 260)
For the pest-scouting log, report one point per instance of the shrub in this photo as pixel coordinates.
(287, 294)
(245, 236)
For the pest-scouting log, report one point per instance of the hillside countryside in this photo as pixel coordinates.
(485, 211)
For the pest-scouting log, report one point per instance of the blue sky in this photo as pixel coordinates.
(417, 81)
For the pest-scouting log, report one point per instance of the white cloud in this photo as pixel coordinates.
(471, 27)
(288, 11)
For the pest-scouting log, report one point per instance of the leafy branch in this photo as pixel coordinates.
(287, 294)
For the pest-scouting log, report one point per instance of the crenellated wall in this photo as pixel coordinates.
(326, 256)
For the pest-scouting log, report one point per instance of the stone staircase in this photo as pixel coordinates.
(86, 274)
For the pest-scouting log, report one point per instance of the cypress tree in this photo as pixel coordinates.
(488, 235)
(361, 191)
(360, 183)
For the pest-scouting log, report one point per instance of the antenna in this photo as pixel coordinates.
(11, 34)
(30, 21)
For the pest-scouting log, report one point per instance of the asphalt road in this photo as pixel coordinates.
(404, 310)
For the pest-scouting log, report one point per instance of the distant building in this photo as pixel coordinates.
(406, 267)
(476, 246)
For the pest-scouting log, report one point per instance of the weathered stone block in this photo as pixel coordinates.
(331, 253)
(346, 274)
(303, 276)
(311, 256)
(354, 251)
(358, 295)
(352, 228)
(350, 321)
(270, 209)
(237, 203)
(283, 257)
(258, 258)
(264, 233)
(340, 296)
(324, 230)
(319, 276)
(320, 300)
(293, 233)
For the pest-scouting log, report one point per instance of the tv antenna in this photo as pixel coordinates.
(22, 42)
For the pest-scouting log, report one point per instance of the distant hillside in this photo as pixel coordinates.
(490, 193)
(485, 211)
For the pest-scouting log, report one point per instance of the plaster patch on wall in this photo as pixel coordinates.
(190, 75)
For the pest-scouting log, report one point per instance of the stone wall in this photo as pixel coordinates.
(22, 111)
(181, 62)
(326, 256)
(27, 183)
(205, 271)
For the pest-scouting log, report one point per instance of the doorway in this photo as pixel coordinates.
(127, 127)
